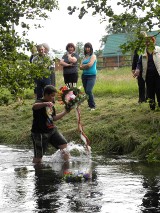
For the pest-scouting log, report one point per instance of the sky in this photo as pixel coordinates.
(63, 28)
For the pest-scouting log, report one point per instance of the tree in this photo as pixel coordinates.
(149, 11)
(80, 50)
(129, 27)
(17, 12)
(98, 53)
(16, 73)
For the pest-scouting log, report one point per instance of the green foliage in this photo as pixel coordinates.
(127, 19)
(98, 53)
(150, 149)
(11, 14)
(154, 151)
(12, 11)
(19, 75)
(5, 97)
(80, 50)
(16, 74)
(117, 85)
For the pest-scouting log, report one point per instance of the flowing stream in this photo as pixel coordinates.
(115, 184)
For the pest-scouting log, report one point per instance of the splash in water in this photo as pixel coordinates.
(79, 165)
(76, 151)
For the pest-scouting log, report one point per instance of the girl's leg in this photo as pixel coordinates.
(89, 90)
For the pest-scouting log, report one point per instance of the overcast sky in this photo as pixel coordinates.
(62, 28)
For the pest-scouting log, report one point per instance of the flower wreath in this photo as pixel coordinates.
(71, 97)
(76, 177)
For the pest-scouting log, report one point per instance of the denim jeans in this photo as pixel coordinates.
(88, 82)
(41, 83)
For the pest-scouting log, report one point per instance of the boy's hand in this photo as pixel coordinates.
(49, 104)
(68, 109)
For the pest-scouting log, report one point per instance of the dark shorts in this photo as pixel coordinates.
(41, 141)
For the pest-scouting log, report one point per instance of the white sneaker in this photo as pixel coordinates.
(92, 109)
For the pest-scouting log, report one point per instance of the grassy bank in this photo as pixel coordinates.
(119, 125)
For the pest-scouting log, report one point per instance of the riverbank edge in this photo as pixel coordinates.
(118, 126)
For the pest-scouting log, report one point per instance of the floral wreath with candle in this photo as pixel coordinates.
(76, 177)
(71, 97)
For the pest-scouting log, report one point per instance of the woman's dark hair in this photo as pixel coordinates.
(49, 89)
(90, 46)
(70, 45)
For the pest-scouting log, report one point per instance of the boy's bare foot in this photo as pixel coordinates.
(65, 155)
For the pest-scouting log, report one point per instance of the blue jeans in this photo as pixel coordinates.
(41, 83)
(88, 82)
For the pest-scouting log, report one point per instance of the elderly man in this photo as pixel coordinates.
(43, 61)
(149, 62)
(52, 67)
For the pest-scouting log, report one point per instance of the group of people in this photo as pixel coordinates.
(69, 62)
(146, 68)
(44, 130)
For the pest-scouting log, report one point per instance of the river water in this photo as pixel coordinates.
(116, 185)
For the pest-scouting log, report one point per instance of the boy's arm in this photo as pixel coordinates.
(59, 115)
(39, 105)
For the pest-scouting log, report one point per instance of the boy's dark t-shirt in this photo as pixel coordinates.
(43, 119)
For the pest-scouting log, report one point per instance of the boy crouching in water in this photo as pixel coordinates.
(43, 129)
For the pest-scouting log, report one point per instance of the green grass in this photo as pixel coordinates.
(115, 82)
(119, 125)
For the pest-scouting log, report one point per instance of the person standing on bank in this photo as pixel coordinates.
(52, 66)
(69, 62)
(149, 62)
(44, 131)
(89, 67)
(42, 60)
(141, 83)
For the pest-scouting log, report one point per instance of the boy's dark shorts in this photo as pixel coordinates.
(41, 141)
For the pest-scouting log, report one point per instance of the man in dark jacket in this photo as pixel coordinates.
(140, 80)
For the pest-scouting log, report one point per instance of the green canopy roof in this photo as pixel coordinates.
(112, 46)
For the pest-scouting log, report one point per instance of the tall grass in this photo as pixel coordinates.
(112, 82)
(115, 82)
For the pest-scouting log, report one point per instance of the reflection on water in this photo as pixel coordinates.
(117, 185)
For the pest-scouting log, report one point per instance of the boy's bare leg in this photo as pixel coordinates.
(65, 154)
(37, 160)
